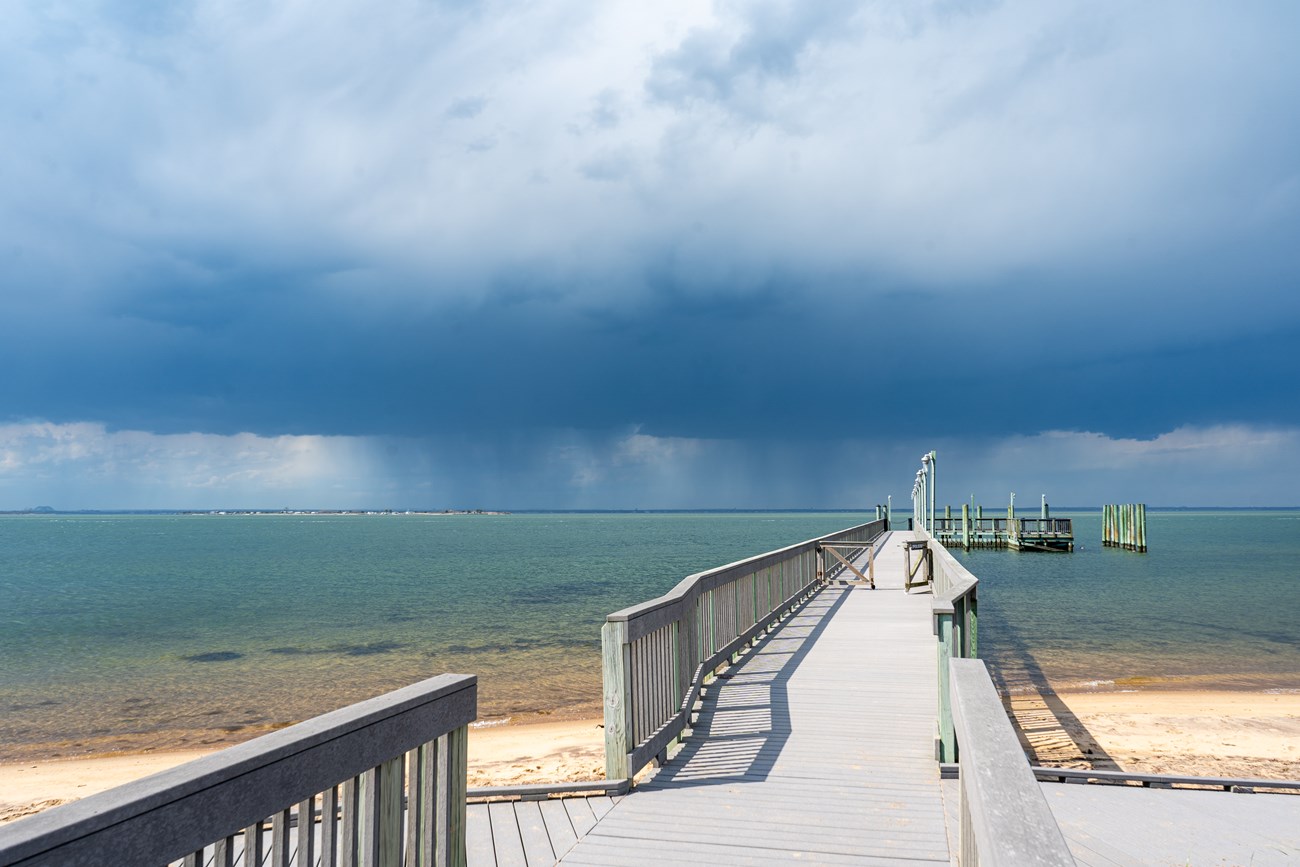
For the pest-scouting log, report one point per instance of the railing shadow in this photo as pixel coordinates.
(1085, 745)
(744, 721)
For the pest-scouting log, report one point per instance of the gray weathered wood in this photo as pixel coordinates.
(534, 789)
(615, 661)
(506, 840)
(533, 833)
(164, 817)
(558, 826)
(817, 746)
(1005, 818)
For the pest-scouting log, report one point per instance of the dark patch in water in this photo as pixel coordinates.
(370, 649)
(49, 702)
(214, 656)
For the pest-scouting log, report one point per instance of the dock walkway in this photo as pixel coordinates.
(817, 748)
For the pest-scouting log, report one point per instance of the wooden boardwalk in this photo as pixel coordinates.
(818, 748)
(529, 833)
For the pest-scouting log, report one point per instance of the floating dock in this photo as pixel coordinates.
(1043, 533)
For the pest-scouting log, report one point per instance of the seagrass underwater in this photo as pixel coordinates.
(172, 632)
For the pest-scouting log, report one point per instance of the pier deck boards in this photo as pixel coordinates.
(1127, 825)
(818, 748)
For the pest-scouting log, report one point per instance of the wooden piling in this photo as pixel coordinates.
(1124, 525)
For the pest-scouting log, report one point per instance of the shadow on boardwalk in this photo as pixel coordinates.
(744, 722)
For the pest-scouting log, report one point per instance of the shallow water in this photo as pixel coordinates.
(117, 631)
(1215, 602)
(168, 631)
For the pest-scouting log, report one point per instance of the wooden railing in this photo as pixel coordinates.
(1060, 526)
(1005, 819)
(657, 655)
(955, 607)
(381, 782)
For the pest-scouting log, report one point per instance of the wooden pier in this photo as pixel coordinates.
(818, 745)
(772, 711)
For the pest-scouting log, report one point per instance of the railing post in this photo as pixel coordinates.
(457, 782)
(972, 624)
(615, 665)
(947, 736)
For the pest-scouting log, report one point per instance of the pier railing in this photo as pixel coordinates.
(1005, 819)
(657, 655)
(955, 608)
(380, 783)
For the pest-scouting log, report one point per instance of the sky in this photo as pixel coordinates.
(688, 254)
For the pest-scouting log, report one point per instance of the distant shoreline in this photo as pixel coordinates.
(837, 510)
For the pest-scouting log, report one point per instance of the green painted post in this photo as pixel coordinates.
(972, 614)
(947, 735)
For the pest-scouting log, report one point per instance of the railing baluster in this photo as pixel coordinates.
(253, 850)
(329, 827)
(347, 851)
(280, 847)
(306, 852)
(223, 852)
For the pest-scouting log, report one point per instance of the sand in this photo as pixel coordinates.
(1207, 733)
(498, 755)
(1202, 733)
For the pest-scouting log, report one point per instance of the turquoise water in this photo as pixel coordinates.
(121, 631)
(165, 631)
(1215, 602)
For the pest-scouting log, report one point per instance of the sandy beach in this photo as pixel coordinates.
(1201, 732)
(498, 755)
(1211, 733)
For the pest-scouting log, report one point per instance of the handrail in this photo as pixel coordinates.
(657, 654)
(955, 609)
(353, 764)
(1005, 818)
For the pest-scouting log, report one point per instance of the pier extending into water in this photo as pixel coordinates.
(796, 706)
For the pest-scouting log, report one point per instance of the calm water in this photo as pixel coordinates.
(1214, 602)
(127, 631)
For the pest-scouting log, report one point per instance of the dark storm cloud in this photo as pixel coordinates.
(769, 224)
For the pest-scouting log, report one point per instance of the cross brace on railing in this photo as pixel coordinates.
(925, 559)
(870, 577)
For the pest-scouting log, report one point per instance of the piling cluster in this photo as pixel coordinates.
(1124, 526)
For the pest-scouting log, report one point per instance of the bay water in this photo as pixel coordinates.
(169, 631)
